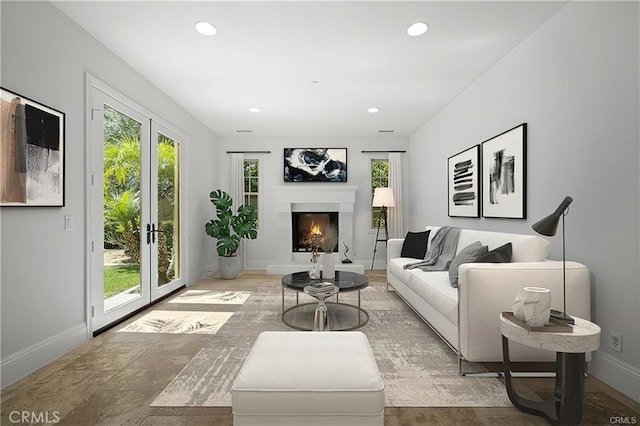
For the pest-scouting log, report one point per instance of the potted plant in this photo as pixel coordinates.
(229, 229)
(328, 245)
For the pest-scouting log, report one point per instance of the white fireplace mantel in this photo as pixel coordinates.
(320, 197)
(286, 196)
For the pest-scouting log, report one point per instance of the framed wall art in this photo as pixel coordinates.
(315, 164)
(31, 152)
(464, 183)
(504, 174)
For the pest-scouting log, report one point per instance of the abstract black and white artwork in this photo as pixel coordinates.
(504, 174)
(315, 164)
(464, 183)
(31, 152)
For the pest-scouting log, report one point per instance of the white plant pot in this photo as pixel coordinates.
(533, 306)
(328, 265)
(229, 267)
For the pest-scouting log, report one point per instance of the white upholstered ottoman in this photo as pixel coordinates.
(309, 379)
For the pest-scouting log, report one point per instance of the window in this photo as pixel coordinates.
(251, 185)
(379, 179)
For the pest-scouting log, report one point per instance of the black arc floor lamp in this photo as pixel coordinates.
(548, 227)
(383, 198)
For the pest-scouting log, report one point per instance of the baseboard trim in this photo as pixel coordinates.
(196, 275)
(17, 365)
(617, 374)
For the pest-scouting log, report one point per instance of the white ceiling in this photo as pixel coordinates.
(265, 54)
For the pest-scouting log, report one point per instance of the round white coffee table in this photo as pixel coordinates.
(567, 405)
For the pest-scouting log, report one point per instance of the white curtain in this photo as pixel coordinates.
(237, 193)
(395, 183)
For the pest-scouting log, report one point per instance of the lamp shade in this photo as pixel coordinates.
(383, 197)
(549, 224)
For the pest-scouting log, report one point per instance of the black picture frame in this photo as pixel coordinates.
(463, 190)
(32, 152)
(315, 165)
(504, 174)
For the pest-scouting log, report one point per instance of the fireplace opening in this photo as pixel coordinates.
(308, 224)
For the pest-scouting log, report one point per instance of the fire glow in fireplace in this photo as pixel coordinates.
(307, 224)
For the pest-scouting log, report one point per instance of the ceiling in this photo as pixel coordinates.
(267, 54)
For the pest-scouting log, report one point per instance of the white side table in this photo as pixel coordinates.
(567, 405)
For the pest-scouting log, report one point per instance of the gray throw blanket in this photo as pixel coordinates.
(441, 252)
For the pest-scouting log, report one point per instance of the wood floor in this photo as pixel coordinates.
(112, 380)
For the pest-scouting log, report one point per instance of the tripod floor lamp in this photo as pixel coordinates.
(383, 198)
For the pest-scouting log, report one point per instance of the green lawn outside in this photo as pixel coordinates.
(120, 278)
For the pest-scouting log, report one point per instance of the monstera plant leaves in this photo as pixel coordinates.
(222, 201)
(227, 245)
(215, 228)
(244, 224)
(228, 228)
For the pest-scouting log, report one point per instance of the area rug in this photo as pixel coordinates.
(417, 368)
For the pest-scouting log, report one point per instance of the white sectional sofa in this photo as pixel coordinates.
(467, 317)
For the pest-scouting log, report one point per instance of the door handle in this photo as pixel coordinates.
(153, 232)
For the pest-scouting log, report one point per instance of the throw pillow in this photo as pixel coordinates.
(468, 254)
(415, 245)
(500, 254)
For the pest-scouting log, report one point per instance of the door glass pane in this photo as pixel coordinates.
(121, 173)
(168, 210)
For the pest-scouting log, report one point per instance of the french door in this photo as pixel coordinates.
(135, 208)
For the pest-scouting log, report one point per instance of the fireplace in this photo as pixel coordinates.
(299, 198)
(307, 224)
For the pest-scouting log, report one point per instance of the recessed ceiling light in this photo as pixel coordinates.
(417, 29)
(205, 28)
(254, 109)
(373, 110)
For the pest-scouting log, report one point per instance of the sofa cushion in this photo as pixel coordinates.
(434, 288)
(526, 248)
(415, 245)
(500, 254)
(468, 254)
(396, 267)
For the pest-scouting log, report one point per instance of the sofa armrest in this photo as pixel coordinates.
(486, 289)
(394, 248)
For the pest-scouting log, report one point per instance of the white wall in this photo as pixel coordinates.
(575, 82)
(260, 252)
(45, 57)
